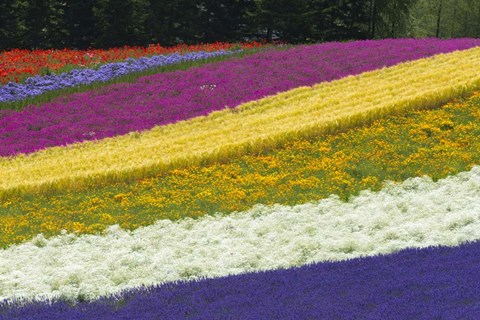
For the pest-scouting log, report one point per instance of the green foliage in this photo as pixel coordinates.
(446, 18)
(45, 23)
(290, 20)
(389, 18)
(11, 29)
(80, 23)
(338, 20)
(108, 23)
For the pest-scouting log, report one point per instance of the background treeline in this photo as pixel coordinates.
(108, 23)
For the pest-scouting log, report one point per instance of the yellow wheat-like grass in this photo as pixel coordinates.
(251, 127)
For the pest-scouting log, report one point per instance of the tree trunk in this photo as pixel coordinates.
(478, 22)
(465, 25)
(269, 33)
(437, 33)
(373, 18)
(393, 17)
(454, 20)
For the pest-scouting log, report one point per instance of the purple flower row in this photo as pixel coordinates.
(432, 283)
(38, 85)
(170, 97)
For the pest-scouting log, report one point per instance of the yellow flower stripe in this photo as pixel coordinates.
(252, 127)
(434, 143)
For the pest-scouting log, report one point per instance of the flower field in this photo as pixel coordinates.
(38, 85)
(336, 180)
(18, 65)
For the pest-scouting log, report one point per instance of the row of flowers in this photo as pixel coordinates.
(38, 85)
(170, 97)
(434, 143)
(411, 284)
(117, 241)
(17, 65)
(416, 213)
(252, 127)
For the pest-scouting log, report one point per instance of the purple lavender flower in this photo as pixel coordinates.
(170, 97)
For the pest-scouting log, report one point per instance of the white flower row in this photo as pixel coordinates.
(415, 213)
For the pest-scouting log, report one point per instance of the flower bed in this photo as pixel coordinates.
(38, 85)
(435, 143)
(17, 65)
(269, 201)
(251, 127)
(171, 97)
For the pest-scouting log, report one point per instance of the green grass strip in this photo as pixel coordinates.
(436, 143)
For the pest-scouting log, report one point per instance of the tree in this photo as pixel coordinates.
(439, 16)
(120, 22)
(351, 19)
(80, 23)
(291, 20)
(44, 24)
(12, 14)
(171, 22)
(478, 21)
(107, 23)
(224, 20)
(446, 18)
(340, 20)
(390, 18)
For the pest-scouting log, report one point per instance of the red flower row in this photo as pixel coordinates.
(18, 64)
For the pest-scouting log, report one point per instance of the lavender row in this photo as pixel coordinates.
(432, 283)
(174, 96)
(38, 85)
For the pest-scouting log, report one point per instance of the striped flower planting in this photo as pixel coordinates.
(417, 213)
(354, 195)
(411, 284)
(171, 97)
(20, 64)
(38, 85)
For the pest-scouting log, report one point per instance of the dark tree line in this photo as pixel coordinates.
(108, 23)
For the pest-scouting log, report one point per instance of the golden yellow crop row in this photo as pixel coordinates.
(254, 126)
